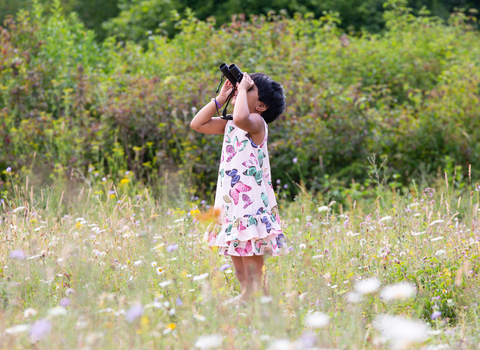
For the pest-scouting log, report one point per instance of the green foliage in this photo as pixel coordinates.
(409, 95)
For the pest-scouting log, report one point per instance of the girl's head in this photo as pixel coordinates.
(265, 97)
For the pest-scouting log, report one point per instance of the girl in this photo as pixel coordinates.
(250, 223)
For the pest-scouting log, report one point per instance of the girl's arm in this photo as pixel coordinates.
(251, 122)
(204, 121)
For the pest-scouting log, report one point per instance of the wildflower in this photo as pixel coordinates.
(353, 297)
(436, 239)
(17, 209)
(30, 312)
(127, 172)
(8, 170)
(134, 312)
(265, 299)
(199, 317)
(57, 311)
(104, 179)
(402, 290)
(302, 246)
(279, 181)
(294, 160)
(171, 326)
(435, 222)
(164, 283)
(137, 263)
(21, 328)
(224, 267)
(440, 252)
(323, 208)
(308, 340)
(64, 302)
(160, 270)
(40, 329)
(401, 331)
(317, 320)
(200, 277)
(124, 181)
(203, 202)
(435, 315)
(69, 291)
(309, 224)
(282, 344)
(285, 186)
(209, 341)
(17, 254)
(172, 247)
(179, 302)
(154, 264)
(386, 218)
(367, 286)
(94, 338)
(81, 323)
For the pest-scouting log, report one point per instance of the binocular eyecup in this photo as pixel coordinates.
(232, 73)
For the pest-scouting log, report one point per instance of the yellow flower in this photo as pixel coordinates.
(144, 321)
(124, 181)
(78, 225)
(194, 211)
(171, 326)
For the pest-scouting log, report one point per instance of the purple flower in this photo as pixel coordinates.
(308, 340)
(69, 291)
(309, 224)
(172, 247)
(17, 254)
(203, 202)
(8, 170)
(111, 192)
(290, 249)
(40, 329)
(134, 312)
(436, 298)
(285, 186)
(294, 160)
(224, 267)
(64, 302)
(436, 314)
(279, 181)
(179, 302)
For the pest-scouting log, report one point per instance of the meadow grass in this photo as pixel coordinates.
(111, 267)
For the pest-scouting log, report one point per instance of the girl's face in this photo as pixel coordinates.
(252, 99)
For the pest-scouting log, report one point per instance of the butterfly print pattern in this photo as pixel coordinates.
(249, 223)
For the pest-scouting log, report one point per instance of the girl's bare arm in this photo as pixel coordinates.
(204, 121)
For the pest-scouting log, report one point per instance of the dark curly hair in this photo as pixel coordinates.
(272, 94)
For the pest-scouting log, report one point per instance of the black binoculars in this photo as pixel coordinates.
(232, 73)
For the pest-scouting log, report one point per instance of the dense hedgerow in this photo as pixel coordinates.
(73, 107)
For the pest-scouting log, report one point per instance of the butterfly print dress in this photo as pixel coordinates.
(250, 223)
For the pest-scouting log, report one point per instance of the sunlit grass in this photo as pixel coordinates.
(97, 269)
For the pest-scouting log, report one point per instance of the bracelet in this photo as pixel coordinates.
(218, 104)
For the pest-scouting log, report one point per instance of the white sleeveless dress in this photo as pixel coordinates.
(250, 222)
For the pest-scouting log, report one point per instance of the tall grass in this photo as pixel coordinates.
(132, 272)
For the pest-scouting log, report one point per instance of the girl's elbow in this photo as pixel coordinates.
(193, 126)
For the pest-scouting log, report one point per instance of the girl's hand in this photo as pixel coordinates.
(246, 82)
(226, 89)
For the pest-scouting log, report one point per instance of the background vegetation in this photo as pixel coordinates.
(73, 107)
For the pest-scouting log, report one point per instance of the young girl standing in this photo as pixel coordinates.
(250, 223)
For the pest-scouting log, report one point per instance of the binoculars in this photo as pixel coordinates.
(232, 73)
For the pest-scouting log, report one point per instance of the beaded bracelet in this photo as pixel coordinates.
(218, 104)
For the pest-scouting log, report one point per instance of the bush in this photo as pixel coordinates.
(84, 108)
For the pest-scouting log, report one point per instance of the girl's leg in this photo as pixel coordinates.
(254, 269)
(245, 285)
